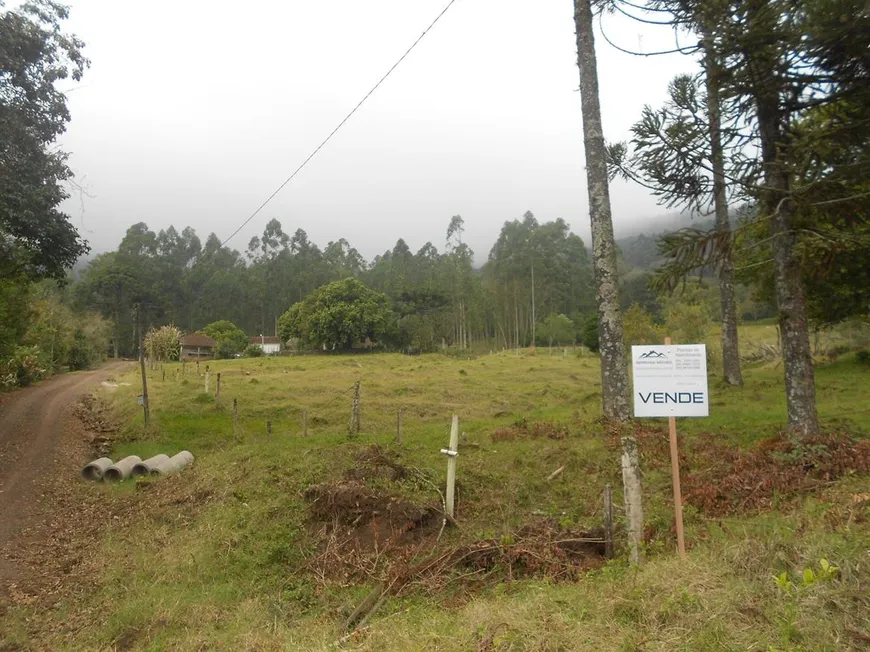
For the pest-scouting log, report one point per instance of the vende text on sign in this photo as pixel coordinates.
(670, 380)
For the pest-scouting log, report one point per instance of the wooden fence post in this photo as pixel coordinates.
(399, 426)
(217, 394)
(207, 380)
(236, 418)
(354, 417)
(608, 521)
(164, 375)
(197, 367)
(269, 430)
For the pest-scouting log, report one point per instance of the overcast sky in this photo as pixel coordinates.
(193, 112)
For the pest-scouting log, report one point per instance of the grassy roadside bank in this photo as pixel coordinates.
(236, 554)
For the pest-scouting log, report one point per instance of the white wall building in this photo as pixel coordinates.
(270, 344)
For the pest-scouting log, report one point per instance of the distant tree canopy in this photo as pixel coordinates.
(36, 239)
(230, 339)
(557, 329)
(435, 297)
(337, 316)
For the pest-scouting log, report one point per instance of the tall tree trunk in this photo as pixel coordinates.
(533, 304)
(730, 345)
(517, 314)
(615, 393)
(800, 384)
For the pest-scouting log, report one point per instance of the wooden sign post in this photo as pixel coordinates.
(671, 381)
(675, 478)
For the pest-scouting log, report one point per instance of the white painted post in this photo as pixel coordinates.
(451, 452)
(207, 379)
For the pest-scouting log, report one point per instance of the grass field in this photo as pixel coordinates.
(231, 555)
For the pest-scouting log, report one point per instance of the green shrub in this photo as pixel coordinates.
(639, 327)
(80, 354)
(253, 351)
(22, 369)
(230, 338)
(863, 357)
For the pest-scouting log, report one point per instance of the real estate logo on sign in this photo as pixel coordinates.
(670, 380)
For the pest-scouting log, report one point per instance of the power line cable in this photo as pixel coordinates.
(340, 124)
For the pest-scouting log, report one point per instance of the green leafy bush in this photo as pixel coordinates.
(639, 327)
(555, 329)
(230, 338)
(253, 351)
(22, 369)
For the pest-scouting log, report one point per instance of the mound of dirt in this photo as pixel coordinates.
(375, 462)
(721, 480)
(352, 503)
(100, 428)
(729, 481)
(361, 530)
(541, 549)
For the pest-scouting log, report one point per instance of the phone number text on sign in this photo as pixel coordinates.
(670, 380)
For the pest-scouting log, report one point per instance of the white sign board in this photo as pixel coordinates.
(670, 380)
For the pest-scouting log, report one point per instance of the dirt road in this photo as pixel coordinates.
(42, 447)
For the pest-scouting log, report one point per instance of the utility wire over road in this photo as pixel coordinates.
(340, 124)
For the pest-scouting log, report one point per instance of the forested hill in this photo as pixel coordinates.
(640, 251)
(534, 272)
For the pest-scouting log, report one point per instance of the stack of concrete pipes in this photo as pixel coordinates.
(133, 466)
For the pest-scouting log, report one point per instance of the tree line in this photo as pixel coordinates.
(534, 272)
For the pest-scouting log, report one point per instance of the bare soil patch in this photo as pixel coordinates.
(47, 526)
